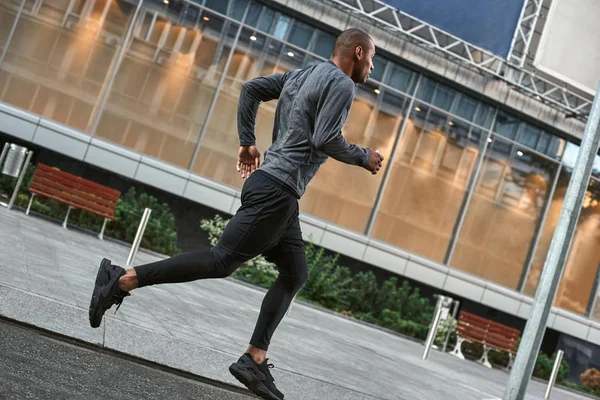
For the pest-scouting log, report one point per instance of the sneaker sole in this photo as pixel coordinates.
(258, 388)
(94, 311)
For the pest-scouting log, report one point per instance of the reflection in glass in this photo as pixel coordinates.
(379, 64)
(427, 182)
(581, 267)
(300, 34)
(345, 194)
(217, 156)
(504, 211)
(60, 57)
(401, 78)
(164, 86)
(324, 44)
(529, 135)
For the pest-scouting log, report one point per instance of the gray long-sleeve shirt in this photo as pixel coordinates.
(313, 106)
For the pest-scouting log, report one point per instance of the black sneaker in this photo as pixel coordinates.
(106, 291)
(256, 377)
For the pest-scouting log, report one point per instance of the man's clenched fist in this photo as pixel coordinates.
(375, 161)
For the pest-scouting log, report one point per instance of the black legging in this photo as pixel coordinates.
(267, 223)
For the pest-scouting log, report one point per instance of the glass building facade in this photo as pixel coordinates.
(467, 184)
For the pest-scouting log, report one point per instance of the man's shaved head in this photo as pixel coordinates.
(348, 40)
(353, 52)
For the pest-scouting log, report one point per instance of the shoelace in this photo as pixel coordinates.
(119, 299)
(269, 372)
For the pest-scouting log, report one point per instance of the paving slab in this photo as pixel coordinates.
(47, 274)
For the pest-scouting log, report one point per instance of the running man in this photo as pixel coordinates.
(313, 106)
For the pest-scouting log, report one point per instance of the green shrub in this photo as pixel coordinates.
(257, 271)
(8, 184)
(363, 293)
(160, 234)
(328, 283)
(582, 389)
(331, 285)
(543, 368)
(395, 321)
(447, 325)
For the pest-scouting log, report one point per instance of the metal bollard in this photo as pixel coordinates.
(554, 374)
(138, 236)
(432, 332)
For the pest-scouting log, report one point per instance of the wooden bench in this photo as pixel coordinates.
(74, 191)
(492, 335)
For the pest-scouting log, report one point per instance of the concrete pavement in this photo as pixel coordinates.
(46, 277)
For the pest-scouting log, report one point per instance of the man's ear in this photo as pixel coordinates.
(359, 52)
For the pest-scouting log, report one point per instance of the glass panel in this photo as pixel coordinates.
(266, 20)
(281, 27)
(444, 96)
(300, 34)
(8, 13)
(427, 183)
(426, 89)
(485, 115)
(162, 91)
(217, 156)
(345, 194)
(529, 135)
(543, 144)
(324, 44)
(219, 6)
(581, 267)
(551, 145)
(466, 107)
(507, 203)
(506, 125)
(58, 71)
(239, 8)
(569, 157)
(401, 78)
(379, 64)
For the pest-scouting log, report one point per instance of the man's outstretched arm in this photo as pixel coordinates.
(255, 91)
(332, 110)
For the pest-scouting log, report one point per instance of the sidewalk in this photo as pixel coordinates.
(46, 278)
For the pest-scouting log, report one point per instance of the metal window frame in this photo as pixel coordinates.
(462, 52)
(12, 32)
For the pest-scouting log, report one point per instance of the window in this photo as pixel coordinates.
(401, 78)
(379, 64)
(324, 44)
(266, 19)
(427, 183)
(281, 27)
(529, 135)
(506, 125)
(219, 6)
(466, 107)
(443, 97)
(300, 34)
(504, 212)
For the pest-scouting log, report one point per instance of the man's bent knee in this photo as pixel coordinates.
(225, 264)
